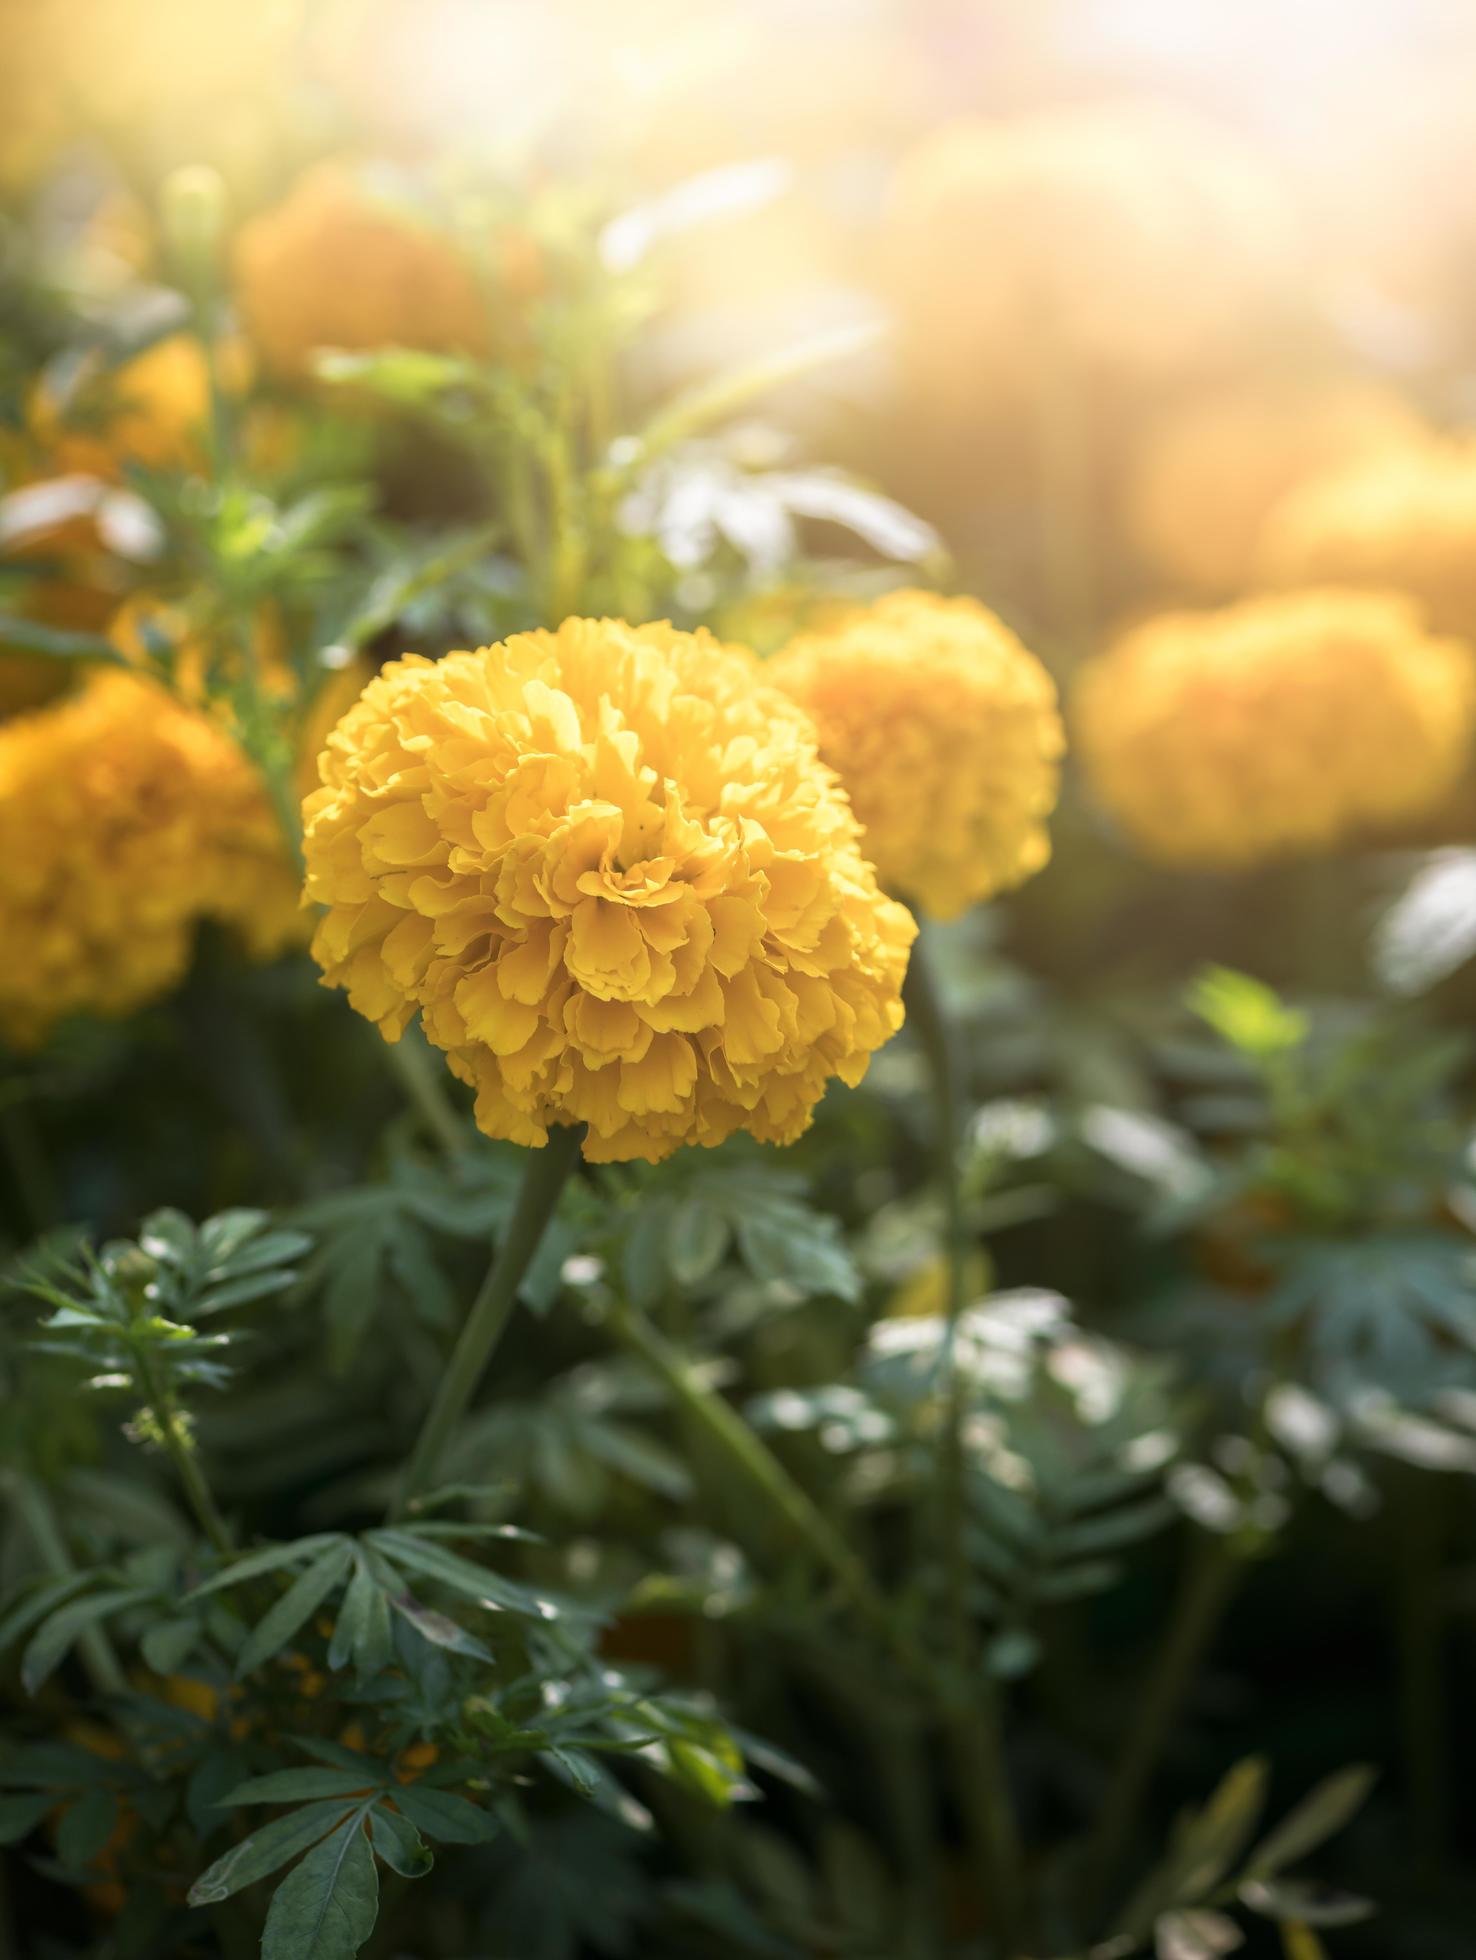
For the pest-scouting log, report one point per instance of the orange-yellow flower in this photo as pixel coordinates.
(1212, 468)
(1280, 725)
(153, 410)
(125, 819)
(1117, 240)
(334, 265)
(945, 732)
(1403, 521)
(607, 868)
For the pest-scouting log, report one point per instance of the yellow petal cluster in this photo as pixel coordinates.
(1212, 467)
(151, 410)
(336, 266)
(1403, 521)
(1283, 724)
(125, 819)
(607, 868)
(1120, 239)
(946, 735)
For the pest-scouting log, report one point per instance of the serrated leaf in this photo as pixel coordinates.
(446, 1818)
(438, 1628)
(36, 1603)
(1320, 1815)
(397, 1841)
(271, 1559)
(85, 1828)
(362, 1630)
(302, 1785)
(53, 1639)
(267, 1848)
(326, 1907)
(474, 1582)
(21, 1813)
(696, 1240)
(301, 1600)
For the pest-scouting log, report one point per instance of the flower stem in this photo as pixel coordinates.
(34, 1508)
(544, 1177)
(1201, 1603)
(182, 1455)
(971, 1713)
(423, 1081)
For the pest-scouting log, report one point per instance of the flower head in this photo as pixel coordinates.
(1213, 467)
(1279, 725)
(1401, 521)
(945, 732)
(1119, 239)
(607, 868)
(125, 819)
(335, 265)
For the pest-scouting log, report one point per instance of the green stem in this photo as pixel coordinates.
(34, 1507)
(1202, 1601)
(424, 1084)
(971, 1714)
(544, 1177)
(182, 1454)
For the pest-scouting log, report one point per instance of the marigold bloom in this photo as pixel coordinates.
(1119, 239)
(1213, 467)
(124, 820)
(152, 410)
(1403, 521)
(607, 868)
(945, 732)
(1279, 725)
(336, 266)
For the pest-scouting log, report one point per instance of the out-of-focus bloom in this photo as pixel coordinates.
(607, 867)
(1211, 468)
(1121, 239)
(152, 410)
(945, 733)
(1404, 521)
(125, 819)
(1280, 725)
(334, 265)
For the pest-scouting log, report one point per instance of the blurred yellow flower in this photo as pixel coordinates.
(1279, 725)
(334, 265)
(1212, 467)
(945, 732)
(1117, 239)
(124, 820)
(152, 410)
(1403, 521)
(608, 869)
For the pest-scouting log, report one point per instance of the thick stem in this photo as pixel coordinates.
(34, 1508)
(544, 1177)
(971, 1713)
(1196, 1616)
(182, 1456)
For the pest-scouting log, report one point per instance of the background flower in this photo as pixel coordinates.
(944, 730)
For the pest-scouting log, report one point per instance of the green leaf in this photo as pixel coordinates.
(168, 1644)
(362, 1630)
(438, 1628)
(294, 1785)
(326, 1907)
(30, 636)
(1246, 1013)
(447, 1818)
(20, 1814)
(264, 1851)
(1321, 1814)
(302, 1599)
(271, 1559)
(1304, 1901)
(474, 1582)
(399, 1843)
(696, 1240)
(53, 1638)
(35, 1603)
(85, 1828)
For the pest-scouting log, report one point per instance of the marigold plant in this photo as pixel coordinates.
(1278, 725)
(1212, 467)
(125, 820)
(335, 265)
(944, 730)
(1402, 521)
(1017, 245)
(608, 869)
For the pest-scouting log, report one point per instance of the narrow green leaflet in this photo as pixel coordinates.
(326, 1907)
(270, 1559)
(53, 1639)
(1321, 1814)
(447, 1818)
(255, 1856)
(302, 1599)
(401, 1846)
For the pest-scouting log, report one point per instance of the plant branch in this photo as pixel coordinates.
(182, 1454)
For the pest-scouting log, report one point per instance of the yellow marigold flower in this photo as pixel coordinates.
(945, 732)
(151, 410)
(1119, 239)
(336, 266)
(125, 819)
(1213, 467)
(1403, 521)
(1279, 725)
(607, 868)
